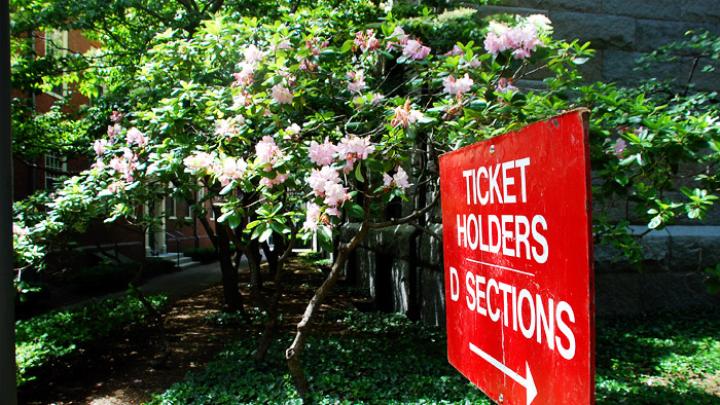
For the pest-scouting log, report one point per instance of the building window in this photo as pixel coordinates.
(55, 168)
(56, 46)
(171, 207)
(190, 211)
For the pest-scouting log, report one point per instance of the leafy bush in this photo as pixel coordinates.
(385, 358)
(203, 254)
(49, 337)
(113, 276)
(359, 367)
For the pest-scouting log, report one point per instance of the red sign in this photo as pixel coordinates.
(518, 263)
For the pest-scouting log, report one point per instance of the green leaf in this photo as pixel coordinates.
(355, 210)
(265, 235)
(358, 173)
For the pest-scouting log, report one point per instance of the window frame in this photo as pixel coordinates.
(50, 37)
(49, 176)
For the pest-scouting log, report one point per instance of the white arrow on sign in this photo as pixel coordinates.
(526, 382)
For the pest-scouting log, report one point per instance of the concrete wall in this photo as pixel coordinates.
(621, 30)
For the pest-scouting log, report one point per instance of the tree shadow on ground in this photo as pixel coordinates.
(658, 360)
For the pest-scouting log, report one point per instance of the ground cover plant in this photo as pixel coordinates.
(384, 358)
(47, 338)
(306, 120)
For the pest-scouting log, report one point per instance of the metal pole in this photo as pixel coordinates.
(8, 394)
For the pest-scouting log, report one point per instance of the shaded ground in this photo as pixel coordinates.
(129, 368)
(363, 358)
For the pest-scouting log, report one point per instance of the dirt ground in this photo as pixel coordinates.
(130, 367)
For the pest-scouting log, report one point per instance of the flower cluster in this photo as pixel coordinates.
(267, 155)
(325, 181)
(357, 81)
(229, 127)
(366, 40)
(124, 165)
(135, 137)
(521, 40)
(457, 87)
(414, 49)
(405, 115)
(281, 94)
(224, 168)
(252, 58)
(399, 179)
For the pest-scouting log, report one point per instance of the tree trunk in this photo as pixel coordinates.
(231, 291)
(294, 352)
(252, 251)
(273, 311)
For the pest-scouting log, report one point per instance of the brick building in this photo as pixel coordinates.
(179, 230)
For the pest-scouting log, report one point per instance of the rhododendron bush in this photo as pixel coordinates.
(298, 126)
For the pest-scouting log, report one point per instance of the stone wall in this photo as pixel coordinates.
(400, 268)
(621, 30)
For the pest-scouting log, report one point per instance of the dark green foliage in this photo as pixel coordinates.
(662, 360)
(202, 255)
(49, 337)
(383, 359)
(113, 276)
(388, 359)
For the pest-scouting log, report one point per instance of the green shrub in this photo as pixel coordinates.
(45, 338)
(365, 365)
(202, 254)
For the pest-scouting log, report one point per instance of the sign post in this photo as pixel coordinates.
(518, 263)
(7, 290)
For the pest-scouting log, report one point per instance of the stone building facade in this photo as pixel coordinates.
(401, 268)
(622, 30)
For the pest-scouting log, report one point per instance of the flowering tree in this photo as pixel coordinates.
(308, 123)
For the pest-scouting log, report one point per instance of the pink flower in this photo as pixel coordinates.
(455, 51)
(281, 94)
(253, 55)
(320, 178)
(246, 76)
(116, 187)
(397, 38)
(400, 179)
(352, 148)
(366, 40)
(229, 169)
(282, 45)
(414, 49)
(267, 152)
(116, 117)
(540, 22)
(99, 146)
(271, 182)
(505, 85)
(113, 131)
(134, 136)
(522, 39)
(312, 217)
(357, 81)
(619, 148)
(456, 87)
(292, 130)
(228, 127)
(198, 162)
(307, 65)
(322, 154)
(405, 115)
(243, 99)
(335, 194)
(19, 230)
